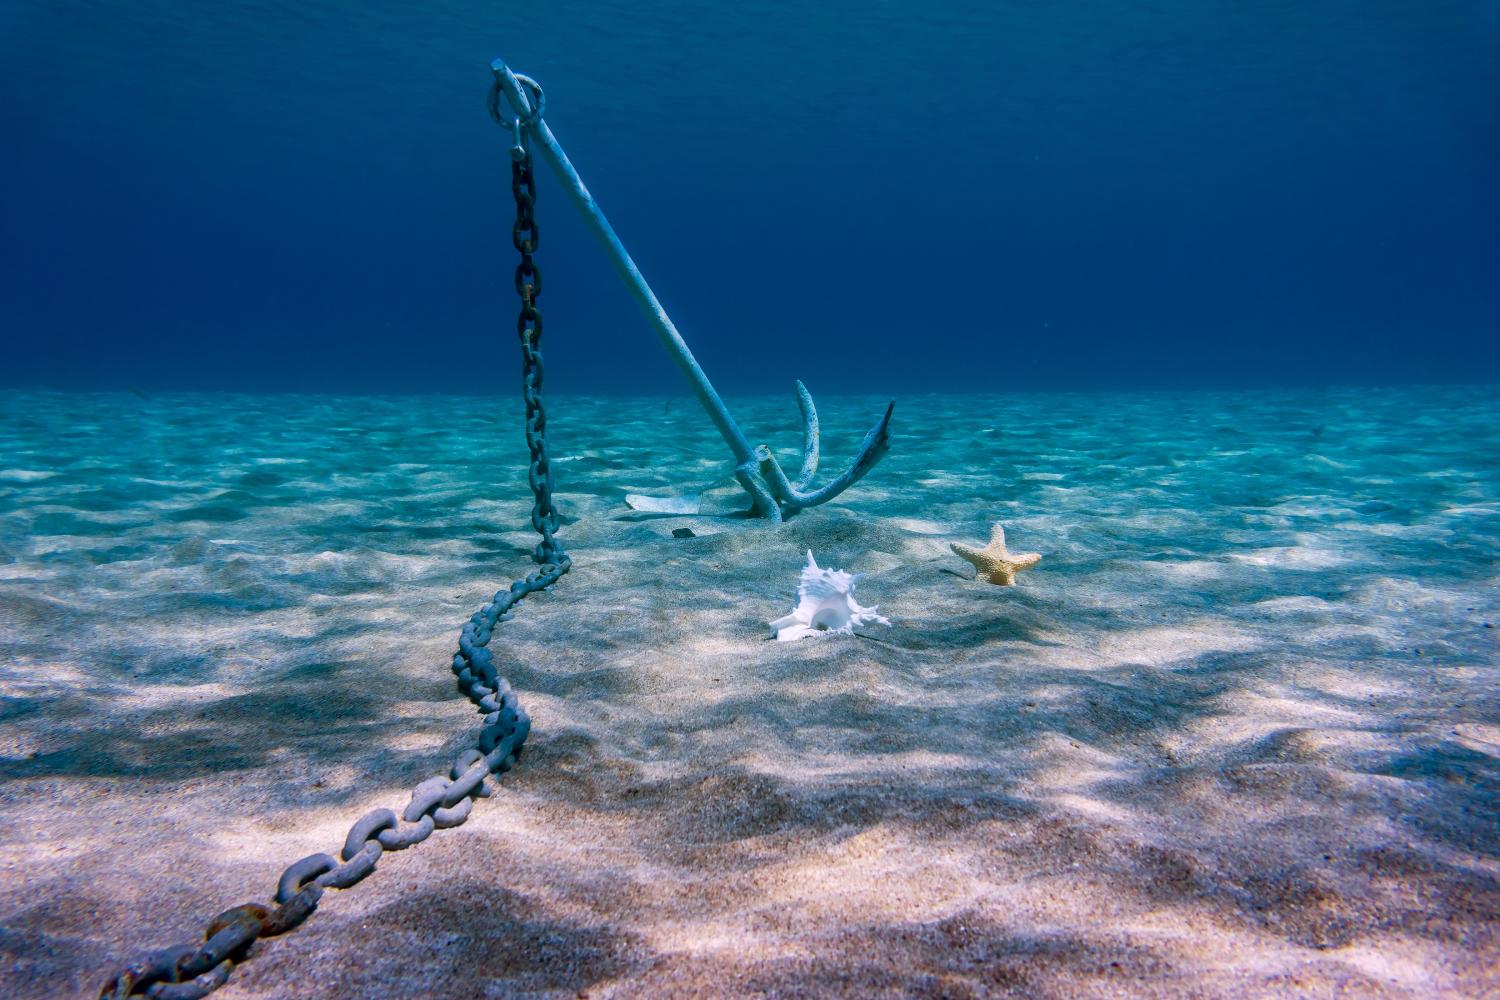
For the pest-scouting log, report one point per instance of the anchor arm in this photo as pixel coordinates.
(794, 497)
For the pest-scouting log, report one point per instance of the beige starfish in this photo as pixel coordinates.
(995, 562)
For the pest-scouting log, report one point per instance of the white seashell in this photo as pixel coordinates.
(825, 605)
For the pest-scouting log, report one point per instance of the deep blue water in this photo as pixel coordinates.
(876, 197)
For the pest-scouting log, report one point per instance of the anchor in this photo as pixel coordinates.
(773, 495)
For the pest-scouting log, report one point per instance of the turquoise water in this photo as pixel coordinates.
(102, 487)
(147, 510)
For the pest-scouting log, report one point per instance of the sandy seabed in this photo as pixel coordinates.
(1237, 736)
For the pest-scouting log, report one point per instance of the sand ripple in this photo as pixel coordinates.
(1237, 736)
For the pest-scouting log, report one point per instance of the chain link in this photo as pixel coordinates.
(192, 971)
(525, 236)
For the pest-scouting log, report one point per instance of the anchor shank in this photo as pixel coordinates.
(620, 258)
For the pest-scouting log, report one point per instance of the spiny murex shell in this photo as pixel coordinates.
(825, 605)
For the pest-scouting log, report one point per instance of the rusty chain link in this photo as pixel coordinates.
(191, 971)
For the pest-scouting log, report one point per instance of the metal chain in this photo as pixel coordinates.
(191, 971)
(525, 235)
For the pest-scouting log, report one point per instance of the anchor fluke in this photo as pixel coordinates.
(809, 436)
(794, 496)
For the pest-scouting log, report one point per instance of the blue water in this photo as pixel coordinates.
(874, 197)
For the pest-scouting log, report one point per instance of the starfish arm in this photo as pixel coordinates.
(968, 553)
(997, 536)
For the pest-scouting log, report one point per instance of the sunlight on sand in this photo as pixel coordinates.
(1235, 736)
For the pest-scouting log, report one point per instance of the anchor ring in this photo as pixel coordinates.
(538, 102)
